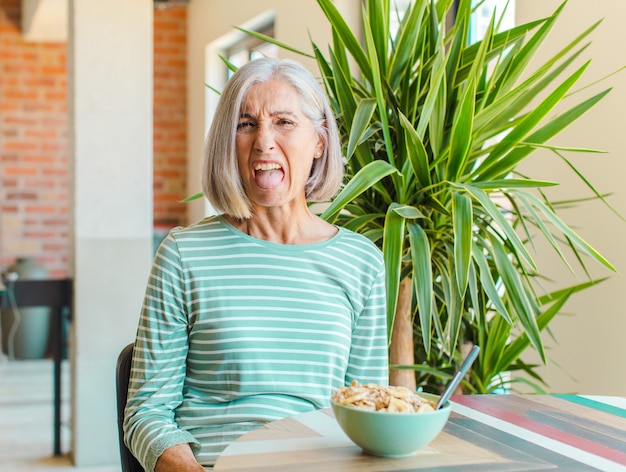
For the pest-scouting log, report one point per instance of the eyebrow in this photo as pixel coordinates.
(274, 113)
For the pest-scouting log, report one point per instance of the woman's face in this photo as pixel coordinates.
(276, 145)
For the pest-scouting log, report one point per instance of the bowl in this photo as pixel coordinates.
(388, 434)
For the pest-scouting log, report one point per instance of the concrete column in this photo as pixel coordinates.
(110, 99)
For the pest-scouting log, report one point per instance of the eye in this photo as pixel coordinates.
(285, 123)
(244, 126)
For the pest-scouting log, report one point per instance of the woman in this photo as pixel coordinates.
(264, 310)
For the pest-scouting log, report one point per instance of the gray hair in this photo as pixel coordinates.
(221, 180)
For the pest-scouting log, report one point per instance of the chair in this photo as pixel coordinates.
(122, 375)
(57, 294)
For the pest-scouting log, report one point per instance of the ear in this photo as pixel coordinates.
(320, 145)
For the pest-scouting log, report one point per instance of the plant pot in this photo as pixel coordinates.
(25, 331)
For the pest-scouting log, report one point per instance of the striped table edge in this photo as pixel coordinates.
(568, 430)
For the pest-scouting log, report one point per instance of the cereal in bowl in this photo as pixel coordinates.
(382, 398)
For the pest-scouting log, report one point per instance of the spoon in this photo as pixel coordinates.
(456, 380)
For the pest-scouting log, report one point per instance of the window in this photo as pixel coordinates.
(483, 10)
(504, 18)
(251, 48)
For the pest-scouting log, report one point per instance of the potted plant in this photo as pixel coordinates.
(435, 131)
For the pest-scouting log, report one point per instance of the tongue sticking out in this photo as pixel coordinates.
(268, 178)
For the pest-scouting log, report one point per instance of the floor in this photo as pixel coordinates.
(26, 419)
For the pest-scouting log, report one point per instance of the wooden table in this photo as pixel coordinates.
(484, 433)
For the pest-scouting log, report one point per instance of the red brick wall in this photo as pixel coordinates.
(33, 138)
(170, 111)
(33, 147)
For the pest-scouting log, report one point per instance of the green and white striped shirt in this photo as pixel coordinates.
(237, 331)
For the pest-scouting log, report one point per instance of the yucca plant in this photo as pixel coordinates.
(435, 129)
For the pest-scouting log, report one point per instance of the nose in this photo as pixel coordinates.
(264, 139)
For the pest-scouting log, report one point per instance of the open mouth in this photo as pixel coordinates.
(268, 174)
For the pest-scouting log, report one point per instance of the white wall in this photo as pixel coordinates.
(110, 101)
(209, 20)
(589, 354)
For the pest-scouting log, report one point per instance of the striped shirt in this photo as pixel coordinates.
(236, 332)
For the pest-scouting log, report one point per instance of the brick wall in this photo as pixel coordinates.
(33, 138)
(33, 147)
(170, 124)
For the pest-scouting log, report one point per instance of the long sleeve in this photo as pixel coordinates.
(158, 369)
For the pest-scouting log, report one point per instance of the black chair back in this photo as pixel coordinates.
(122, 375)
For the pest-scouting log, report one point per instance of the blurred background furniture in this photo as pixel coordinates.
(57, 294)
